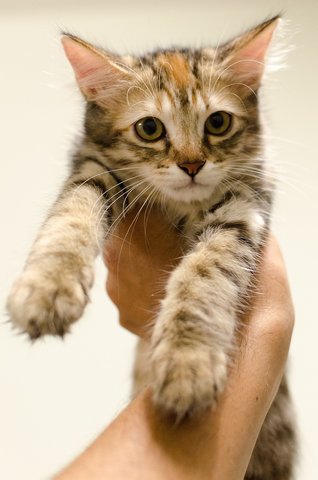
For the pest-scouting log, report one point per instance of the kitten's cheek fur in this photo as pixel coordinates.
(42, 303)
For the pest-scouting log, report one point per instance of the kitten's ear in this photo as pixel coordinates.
(97, 73)
(246, 55)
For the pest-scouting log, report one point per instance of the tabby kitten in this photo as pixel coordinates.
(178, 128)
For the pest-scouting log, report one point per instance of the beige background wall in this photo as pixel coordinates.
(56, 396)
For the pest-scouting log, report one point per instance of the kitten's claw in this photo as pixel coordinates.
(41, 304)
(187, 381)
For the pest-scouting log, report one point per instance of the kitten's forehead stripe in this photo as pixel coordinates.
(177, 67)
(171, 98)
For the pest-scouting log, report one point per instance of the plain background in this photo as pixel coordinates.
(56, 396)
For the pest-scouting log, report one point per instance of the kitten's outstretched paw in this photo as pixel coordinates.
(41, 304)
(186, 381)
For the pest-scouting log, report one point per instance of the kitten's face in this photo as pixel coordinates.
(179, 122)
(185, 125)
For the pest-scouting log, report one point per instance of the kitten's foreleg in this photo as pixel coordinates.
(194, 332)
(53, 289)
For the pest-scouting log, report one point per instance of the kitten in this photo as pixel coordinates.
(179, 128)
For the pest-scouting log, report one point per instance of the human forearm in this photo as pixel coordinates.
(141, 445)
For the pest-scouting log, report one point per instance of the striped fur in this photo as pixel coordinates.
(222, 213)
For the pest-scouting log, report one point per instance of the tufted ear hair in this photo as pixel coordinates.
(245, 56)
(99, 74)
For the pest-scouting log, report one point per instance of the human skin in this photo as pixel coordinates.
(217, 445)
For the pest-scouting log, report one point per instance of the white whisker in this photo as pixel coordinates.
(140, 79)
(231, 65)
(238, 83)
(132, 225)
(114, 199)
(213, 61)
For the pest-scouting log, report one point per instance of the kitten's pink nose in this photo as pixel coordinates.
(191, 168)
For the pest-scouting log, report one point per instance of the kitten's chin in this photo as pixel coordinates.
(188, 194)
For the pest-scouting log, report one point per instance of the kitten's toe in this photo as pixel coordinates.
(40, 305)
(185, 381)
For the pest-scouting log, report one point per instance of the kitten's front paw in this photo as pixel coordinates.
(187, 380)
(42, 303)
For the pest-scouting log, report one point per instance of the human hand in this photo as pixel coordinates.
(139, 260)
(138, 267)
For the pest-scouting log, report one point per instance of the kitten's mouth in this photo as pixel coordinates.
(190, 191)
(192, 183)
(182, 188)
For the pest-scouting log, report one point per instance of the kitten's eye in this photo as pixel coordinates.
(150, 129)
(218, 123)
